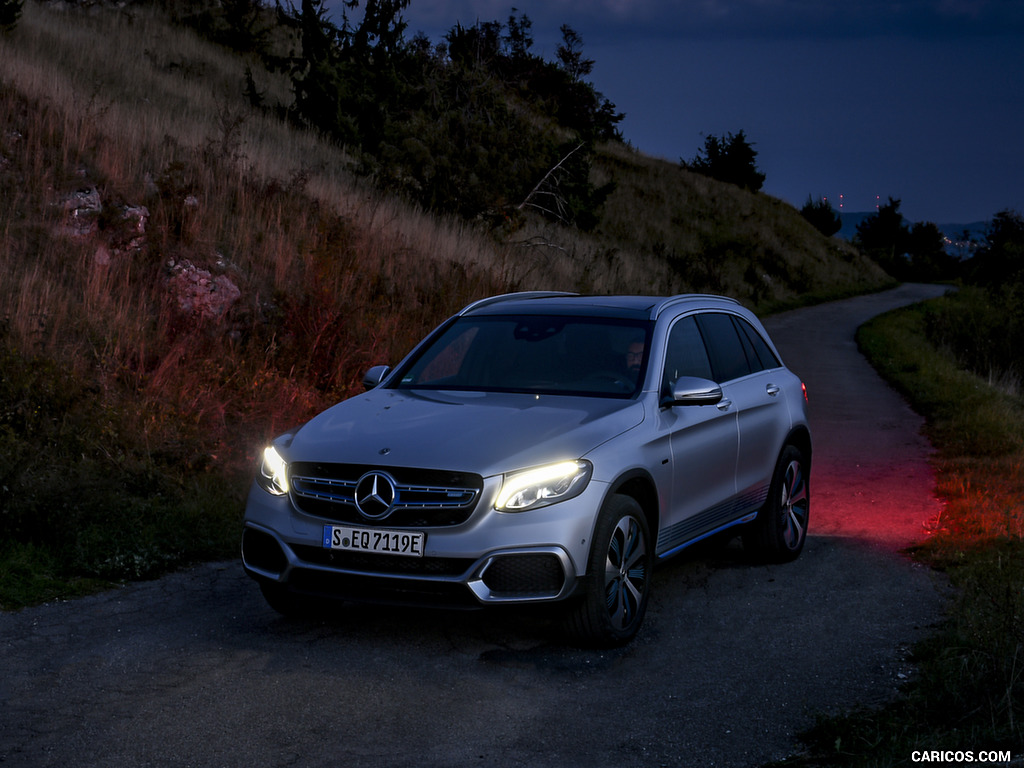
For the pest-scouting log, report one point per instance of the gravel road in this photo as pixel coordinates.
(733, 661)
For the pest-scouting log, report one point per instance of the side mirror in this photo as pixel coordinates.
(375, 375)
(690, 390)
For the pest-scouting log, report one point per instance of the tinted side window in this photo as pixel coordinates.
(758, 352)
(728, 358)
(686, 355)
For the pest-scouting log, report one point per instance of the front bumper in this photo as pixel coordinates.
(493, 558)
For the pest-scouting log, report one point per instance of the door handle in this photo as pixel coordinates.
(724, 405)
(772, 390)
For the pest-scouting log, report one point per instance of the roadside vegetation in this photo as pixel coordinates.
(959, 360)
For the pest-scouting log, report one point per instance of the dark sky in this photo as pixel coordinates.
(920, 100)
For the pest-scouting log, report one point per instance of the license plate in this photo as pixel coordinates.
(377, 540)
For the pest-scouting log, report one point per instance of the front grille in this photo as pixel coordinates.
(423, 497)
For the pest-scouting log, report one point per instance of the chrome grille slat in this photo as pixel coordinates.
(300, 483)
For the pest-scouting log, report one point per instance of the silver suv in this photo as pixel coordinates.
(540, 448)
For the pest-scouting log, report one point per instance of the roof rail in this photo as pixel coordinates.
(510, 297)
(670, 301)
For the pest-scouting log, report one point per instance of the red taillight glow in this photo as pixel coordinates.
(803, 388)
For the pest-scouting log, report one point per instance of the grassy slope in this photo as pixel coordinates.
(719, 238)
(666, 230)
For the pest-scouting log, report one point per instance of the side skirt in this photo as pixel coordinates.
(738, 511)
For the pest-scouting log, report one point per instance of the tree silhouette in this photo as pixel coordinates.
(519, 39)
(884, 237)
(822, 216)
(466, 125)
(570, 55)
(1000, 259)
(731, 159)
(929, 260)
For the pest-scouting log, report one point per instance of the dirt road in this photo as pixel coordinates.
(733, 661)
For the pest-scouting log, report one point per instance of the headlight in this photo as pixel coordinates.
(542, 486)
(273, 475)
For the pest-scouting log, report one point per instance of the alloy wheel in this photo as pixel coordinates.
(626, 572)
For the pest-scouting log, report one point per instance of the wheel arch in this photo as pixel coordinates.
(640, 486)
(800, 437)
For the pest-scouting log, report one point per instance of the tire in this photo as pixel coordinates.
(617, 584)
(780, 530)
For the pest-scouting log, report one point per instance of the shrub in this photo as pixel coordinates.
(80, 483)
(984, 331)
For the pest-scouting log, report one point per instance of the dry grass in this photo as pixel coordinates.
(148, 114)
(273, 204)
(984, 501)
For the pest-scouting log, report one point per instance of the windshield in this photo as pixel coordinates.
(601, 357)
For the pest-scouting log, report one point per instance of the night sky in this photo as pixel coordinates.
(856, 101)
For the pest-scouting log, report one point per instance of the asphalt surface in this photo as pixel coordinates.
(734, 659)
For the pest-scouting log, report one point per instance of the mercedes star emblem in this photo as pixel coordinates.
(375, 495)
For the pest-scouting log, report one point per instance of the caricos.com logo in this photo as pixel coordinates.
(959, 757)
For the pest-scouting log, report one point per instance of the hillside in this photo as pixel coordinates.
(185, 274)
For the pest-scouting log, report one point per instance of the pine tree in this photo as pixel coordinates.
(822, 216)
(730, 158)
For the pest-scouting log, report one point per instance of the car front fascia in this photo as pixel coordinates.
(562, 530)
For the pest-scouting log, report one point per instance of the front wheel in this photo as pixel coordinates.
(618, 580)
(779, 532)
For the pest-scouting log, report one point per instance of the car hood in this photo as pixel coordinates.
(482, 432)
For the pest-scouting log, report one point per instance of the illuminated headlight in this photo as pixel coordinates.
(273, 476)
(542, 486)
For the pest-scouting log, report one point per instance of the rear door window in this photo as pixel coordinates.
(759, 354)
(725, 348)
